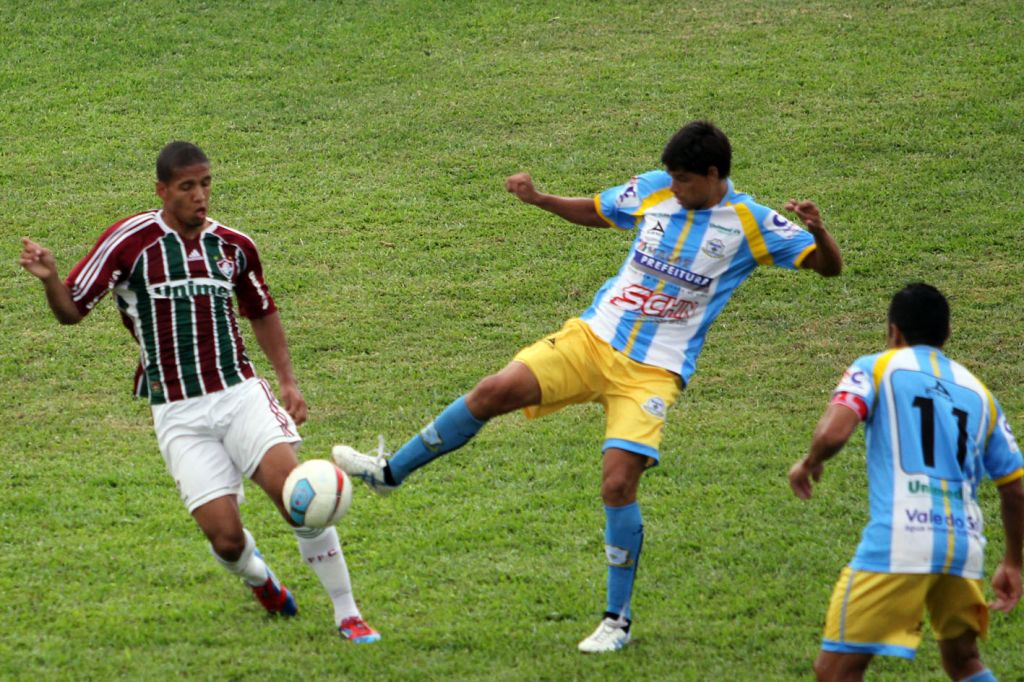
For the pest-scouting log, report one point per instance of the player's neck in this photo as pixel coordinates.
(716, 198)
(183, 230)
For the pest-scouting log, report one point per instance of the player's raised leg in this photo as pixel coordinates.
(512, 388)
(320, 547)
(624, 537)
(235, 549)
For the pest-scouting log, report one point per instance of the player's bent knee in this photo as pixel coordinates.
(228, 546)
(494, 395)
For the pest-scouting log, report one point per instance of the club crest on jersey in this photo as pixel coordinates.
(226, 267)
(778, 225)
(628, 198)
(655, 406)
(714, 248)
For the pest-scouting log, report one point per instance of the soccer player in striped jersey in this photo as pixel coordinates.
(933, 432)
(175, 274)
(635, 348)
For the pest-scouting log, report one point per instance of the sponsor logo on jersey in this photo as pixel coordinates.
(655, 406)
(658, 228)
(1011, 440)
(664, 270)
(854, 380)
(939, 390)
(714, 248)
(194, 255)
(190, 288)
(628, 198)
(226, 267)
(925, 488)
(778, 225)
(726, 230)
(927, 517)
(637, 297)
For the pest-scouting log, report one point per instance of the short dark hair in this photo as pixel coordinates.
(177, 155)
(921, 313)
(696, 147)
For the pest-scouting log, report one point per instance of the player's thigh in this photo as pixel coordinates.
(565, 367)
(257, 423)
(194, 455)
(955, 606)
(636, 403)
(273, 470)
(833, 667)
(876, 613)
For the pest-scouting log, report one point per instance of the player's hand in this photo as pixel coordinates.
(294, 403)
(521, 184)
(1007, 586)
(37, 260)
(800, 476)
(807, 212)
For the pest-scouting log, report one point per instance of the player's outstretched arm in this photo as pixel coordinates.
(1007, 579)
(826, 260)
(39, 262)
(580, 211)
(270, 334)
(830, 435)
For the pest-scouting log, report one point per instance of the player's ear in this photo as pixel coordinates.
(161, 189)
(712, 174)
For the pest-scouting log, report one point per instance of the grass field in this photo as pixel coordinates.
(364, 145)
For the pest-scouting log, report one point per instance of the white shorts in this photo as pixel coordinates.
(209, 443)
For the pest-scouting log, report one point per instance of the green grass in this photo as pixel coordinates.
(363, 145)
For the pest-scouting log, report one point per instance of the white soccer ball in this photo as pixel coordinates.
(317, 494)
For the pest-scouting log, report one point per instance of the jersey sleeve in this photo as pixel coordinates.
(856, 390)
(787, 243)
(254, 299)
(621, 206)
(1002, 456)
(101, 269)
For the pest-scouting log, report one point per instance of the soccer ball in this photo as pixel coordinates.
(317, 494)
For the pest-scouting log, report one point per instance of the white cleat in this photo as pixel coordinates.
(610, 635)
(369, 468)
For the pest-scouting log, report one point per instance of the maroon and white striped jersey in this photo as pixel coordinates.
(175, 297)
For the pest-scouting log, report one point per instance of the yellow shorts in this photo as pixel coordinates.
(883, 613)
(575, 366)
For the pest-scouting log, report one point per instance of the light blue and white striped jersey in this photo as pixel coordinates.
(933, 432)
(682, 267)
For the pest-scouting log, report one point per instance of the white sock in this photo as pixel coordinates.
(250, 567)
(321, 550)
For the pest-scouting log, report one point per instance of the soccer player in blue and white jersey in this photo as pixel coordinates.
(933, 432)
(635, 348)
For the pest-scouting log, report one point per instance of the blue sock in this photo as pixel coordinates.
(449, 431)
(984, 676)
(623, 538)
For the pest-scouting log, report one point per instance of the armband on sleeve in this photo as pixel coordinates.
(852, 401)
